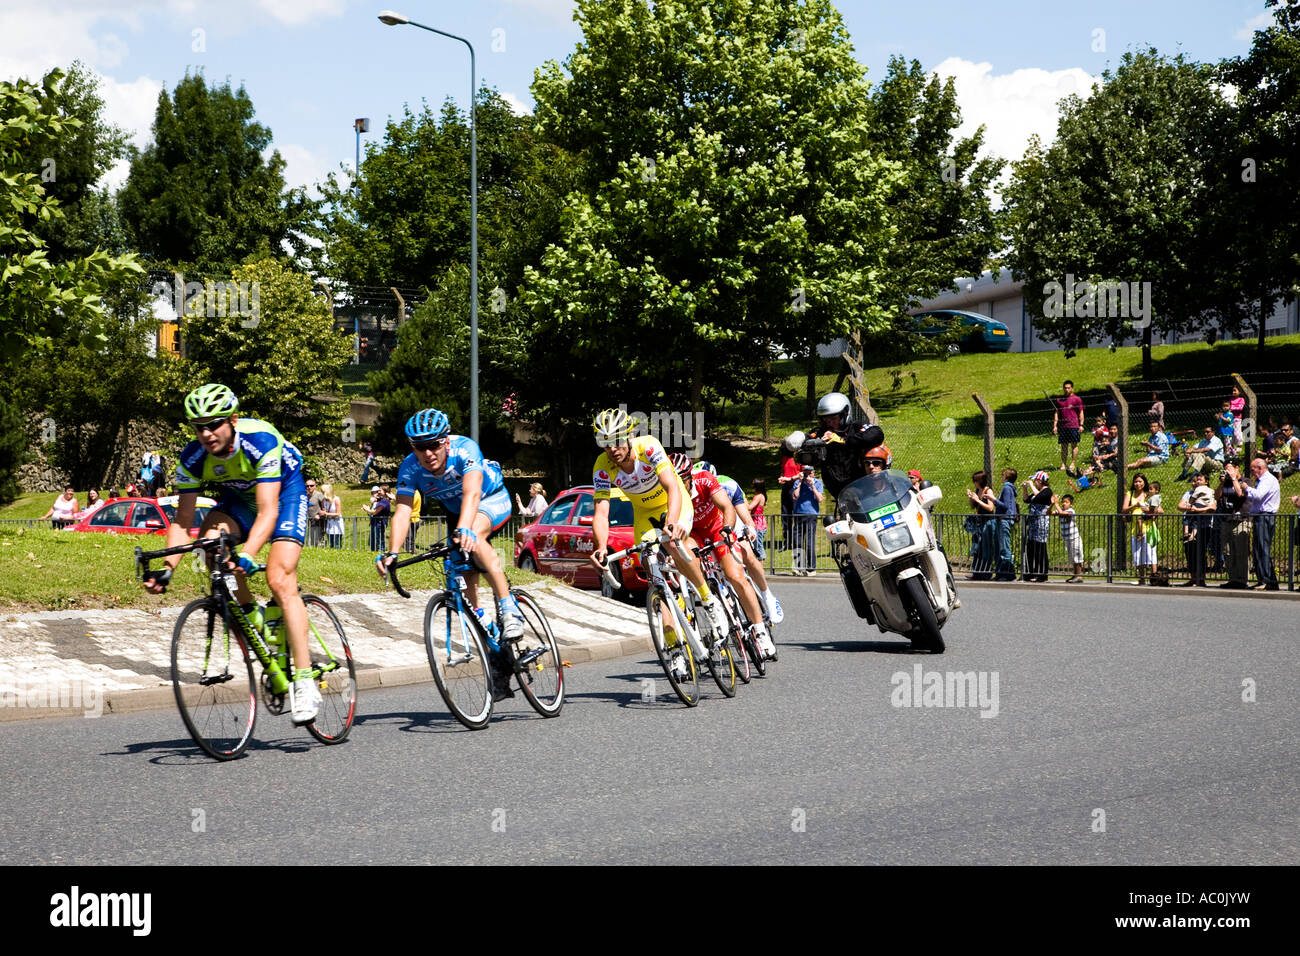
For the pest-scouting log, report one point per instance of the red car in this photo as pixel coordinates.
(140, 516)
(560, 543)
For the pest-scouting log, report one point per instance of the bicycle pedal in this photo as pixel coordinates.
(530, 656)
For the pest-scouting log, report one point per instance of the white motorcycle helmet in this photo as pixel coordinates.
(794, 441)
(834, 403)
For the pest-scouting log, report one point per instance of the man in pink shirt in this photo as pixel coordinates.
(1067, 421)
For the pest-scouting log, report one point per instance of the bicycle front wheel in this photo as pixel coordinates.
(212, 675)
(735, 635)
(537, 659)
(459, 662)
(331, 660)
(719, 659)
(677, 661)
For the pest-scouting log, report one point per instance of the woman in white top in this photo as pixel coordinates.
(93, 504)
(332, 510)
(537, 502)
(64, 510)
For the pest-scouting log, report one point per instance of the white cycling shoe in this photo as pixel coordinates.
(306, 700)
(765, 643)
(715, 619)
(512, 621)
(774, 609)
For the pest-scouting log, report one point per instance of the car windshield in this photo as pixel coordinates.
(875, 496)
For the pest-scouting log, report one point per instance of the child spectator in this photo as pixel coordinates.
(1070, 535)
(1137, 506)
(1227, 429)
(1238, 408)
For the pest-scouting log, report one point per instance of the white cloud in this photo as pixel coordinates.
(517, 106)
(1261, 22)
(302, 167)
(296, 12)
(1014, 106)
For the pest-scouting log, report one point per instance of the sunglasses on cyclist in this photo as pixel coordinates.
(210, 425)
(430, 445)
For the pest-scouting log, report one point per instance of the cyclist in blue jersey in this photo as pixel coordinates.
(261, 497)
(451, 470)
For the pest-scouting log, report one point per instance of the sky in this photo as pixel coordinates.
(313, 66)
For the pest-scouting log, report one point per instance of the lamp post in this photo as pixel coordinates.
(397, 19)
(362, 125)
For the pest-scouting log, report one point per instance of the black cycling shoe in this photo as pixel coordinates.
(501, 690)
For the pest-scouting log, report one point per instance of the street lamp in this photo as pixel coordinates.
(397, 19)
(362, 125)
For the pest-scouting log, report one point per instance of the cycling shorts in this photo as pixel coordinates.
(290, 518)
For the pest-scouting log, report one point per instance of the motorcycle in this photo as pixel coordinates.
(896, 574)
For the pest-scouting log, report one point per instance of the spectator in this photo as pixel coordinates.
(115, 493)
(332, 512)
(789, 472)
(982, 527)
(1286, 456)
(1203, 457)
(757, 504)
(1100, 430)
(369, 451)
(1067, 422)
(416, 507)
(315, 523)
(93, 504)
(1070, 535)
(1227, 428)
(915, 478)
(1105, 453)
(1007, 511)
(1238, 408)
(64, 510)
(1112, 414)
(536, 506)
(1263, 499)
(1196, 505)
(1156, 412)
(1272, 436)
(146, 474)
(807, 492)
(379, 509)
(1137, 507)
(1038, 495)
(1234, 533)
(1157, 449)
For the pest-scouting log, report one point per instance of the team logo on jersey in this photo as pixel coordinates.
(218, 469)
(602, 476)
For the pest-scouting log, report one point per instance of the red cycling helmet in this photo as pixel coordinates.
(681, 464)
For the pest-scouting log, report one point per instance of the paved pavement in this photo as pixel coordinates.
(59, 663)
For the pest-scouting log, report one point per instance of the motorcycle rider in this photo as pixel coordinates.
(841, 440)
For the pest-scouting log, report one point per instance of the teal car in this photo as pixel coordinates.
(980, 333)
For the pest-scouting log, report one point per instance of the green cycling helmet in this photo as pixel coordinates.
(210, 401)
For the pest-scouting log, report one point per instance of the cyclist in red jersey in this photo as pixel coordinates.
(715, 517)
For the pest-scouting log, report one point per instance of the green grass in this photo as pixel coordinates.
(42, 570)
(353, 379)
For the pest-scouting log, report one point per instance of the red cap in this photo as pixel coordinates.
(914, 474)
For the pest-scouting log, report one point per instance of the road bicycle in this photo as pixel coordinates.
(740, 630)
(670, 591)
(463, 650)
(212, 667)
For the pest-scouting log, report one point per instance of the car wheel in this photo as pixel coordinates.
(954, 348)
(526, 563)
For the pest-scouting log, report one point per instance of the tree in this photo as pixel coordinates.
(39, 298)
(1258, 210)
(944, 219)
(271, 340)
(408, 218)
(729, 203)
(201, 195)
(76, 164)
(1119, 199)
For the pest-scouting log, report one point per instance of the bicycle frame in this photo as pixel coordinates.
(670, 583)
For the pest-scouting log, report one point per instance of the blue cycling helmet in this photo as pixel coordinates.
(426, 425)
(705, 466)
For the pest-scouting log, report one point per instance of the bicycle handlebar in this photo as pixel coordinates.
(440, 550)
(220, 544)
(613, 557)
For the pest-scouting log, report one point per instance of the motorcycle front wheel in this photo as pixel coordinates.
(926, 634)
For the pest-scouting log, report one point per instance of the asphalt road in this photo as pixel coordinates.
(1119, 734)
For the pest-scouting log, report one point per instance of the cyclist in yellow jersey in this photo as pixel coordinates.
(639, 467)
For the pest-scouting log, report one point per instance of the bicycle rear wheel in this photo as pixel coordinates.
(330, 655)
(686, 684)
(719, 661)
(212, 676)
(459, 662)
(537, 659)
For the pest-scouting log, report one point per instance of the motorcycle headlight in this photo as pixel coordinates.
(899, 536)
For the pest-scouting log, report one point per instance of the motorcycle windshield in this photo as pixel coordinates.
(873, 497)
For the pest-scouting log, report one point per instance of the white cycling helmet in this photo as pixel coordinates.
(834, 403)
(794, 441)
